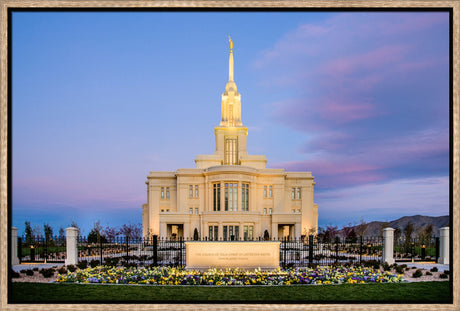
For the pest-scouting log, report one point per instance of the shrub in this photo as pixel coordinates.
(62, 270)
(418, 273)
(399, 269)
(82, 264)
(14, 274)
(94, 263)
(35, 269)
(428, 273)
(434, 269)
(371, 263)
(414, 268)
(23, 271)
(404, 266)
(407, 269)
(71, 268)
(443, 276)
(446, 272)
(47, 273)
(386, 267)
(29, 272)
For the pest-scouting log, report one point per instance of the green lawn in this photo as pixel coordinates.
(418, 292)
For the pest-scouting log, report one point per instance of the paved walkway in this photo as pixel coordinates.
(30, 266)
(426, 265)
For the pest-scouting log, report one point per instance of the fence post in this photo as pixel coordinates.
(444, 246)
(180, 250)
(127, 249)
(100, 248)
(285, 251)
(336, 249)
(388, 244)
(310, 249)
(14, 246)
(71, 246)
(437, 248)
(155, 250)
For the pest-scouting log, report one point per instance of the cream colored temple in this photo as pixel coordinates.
(230, 194)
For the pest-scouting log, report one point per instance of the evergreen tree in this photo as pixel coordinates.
(28, 232)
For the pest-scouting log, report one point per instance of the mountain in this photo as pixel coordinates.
(420, 222)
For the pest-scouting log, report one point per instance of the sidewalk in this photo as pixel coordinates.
(425, 265)
(30, 266)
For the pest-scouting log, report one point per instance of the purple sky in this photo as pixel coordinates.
(359, 99)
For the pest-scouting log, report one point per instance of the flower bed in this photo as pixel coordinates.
(177, 276)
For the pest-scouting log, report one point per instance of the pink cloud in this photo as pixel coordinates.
(345, 112)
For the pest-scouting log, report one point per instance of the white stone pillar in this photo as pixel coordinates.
(14, 246)
(274, 234)
(71, 246)
(444, 246)
(388, 244)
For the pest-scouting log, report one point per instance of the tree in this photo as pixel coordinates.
(351, 237)
(61, 233)
(48, 232)
(28, 232)
(37, 231)
(111, 233)
(96, 234)
(74, 225)
(383, 226)
(195, 234)
(133, 231)
(361, 228)
(425, 234)
(330, 233)
(407, 231)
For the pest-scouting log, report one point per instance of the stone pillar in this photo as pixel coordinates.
(186, 231)
(14, 246)
(71, 246)
(274, 231)
(444, 246)
(388, 244)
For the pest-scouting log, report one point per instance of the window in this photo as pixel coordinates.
(265, 211)
(213, 233)
(167, 192)
(191, 210)
(231, 197)
(245, 197)
(270, 211)
(162, 210)
(167, 210)
(293, 210)
(298, 193)
(216, 197)
(293, 193)
(190, 191)
(231, 233)
(265, 191)
(196, 211)
(298, 211)
(231, 151)
(270, 191)
(162, 192)
(248, 233)
(196, 191)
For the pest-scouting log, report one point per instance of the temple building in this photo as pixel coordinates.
(230, 195)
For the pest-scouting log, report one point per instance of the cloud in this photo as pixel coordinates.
(368, 91)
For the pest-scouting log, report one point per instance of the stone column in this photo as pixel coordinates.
(14, 246)
(444, 246)
(274, 234)
(71, 246)
(388, 244)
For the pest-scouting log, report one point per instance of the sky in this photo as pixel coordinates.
(100, 99)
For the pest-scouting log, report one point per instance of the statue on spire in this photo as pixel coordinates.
(231, 44)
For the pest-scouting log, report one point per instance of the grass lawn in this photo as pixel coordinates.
(417, 292)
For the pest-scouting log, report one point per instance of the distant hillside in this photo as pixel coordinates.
(419, 222)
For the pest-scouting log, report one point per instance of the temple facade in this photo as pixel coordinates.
(230, 195)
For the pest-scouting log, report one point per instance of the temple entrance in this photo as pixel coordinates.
(175, 231)
(286, 231)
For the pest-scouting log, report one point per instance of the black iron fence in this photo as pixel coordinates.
(41, 249)
(171, 252)
(416, 249)
(313, 251)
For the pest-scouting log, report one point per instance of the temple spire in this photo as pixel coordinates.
(230, 61)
